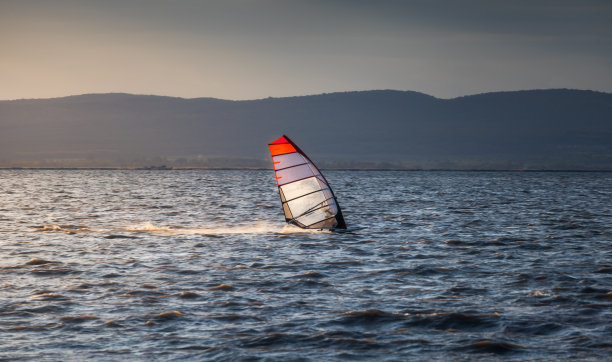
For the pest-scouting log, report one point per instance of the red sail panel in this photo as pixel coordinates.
(280, 140)
(280, 149)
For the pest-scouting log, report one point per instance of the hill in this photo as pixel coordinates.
(536, 129)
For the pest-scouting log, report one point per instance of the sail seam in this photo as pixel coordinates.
(310, 193)
(284, 168)
(311, 211)
(331, 217)
(287, 153)
(316, 207)
(304, 178)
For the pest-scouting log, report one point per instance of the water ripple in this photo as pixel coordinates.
(150, 265)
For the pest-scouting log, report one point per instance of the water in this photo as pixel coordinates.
(199, 265)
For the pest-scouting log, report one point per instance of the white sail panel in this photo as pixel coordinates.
(330, 223)
(306, 203)
(315, 216)
(288, 160)
(326, 189)
(294, 173)
(300, 188)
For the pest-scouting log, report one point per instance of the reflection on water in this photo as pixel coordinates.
(199, 264)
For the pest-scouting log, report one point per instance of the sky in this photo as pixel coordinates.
(247, 49)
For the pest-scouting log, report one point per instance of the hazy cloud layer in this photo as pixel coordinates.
(254, 49)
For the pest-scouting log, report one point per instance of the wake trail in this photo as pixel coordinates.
(150, 227)
(259, 228)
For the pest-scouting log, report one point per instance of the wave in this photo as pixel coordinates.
(69, 229)
(496, 347)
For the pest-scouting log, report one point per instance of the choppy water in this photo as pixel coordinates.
(199, 264)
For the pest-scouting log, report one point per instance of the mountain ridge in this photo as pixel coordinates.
(535, 90)
(531, 129)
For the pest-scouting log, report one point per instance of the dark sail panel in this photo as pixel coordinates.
(308, 200)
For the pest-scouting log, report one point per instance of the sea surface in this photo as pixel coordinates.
(199, 265)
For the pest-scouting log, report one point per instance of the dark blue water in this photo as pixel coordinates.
(148, 265)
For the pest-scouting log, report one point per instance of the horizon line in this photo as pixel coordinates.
(155, 168)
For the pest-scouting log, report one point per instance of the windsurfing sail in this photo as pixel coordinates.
(308, 200)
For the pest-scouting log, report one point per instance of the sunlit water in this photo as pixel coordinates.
(144, 265)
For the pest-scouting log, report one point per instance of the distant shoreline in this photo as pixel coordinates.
(537, 130)
(270, 169)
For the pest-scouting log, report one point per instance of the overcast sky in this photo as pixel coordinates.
(251, 49)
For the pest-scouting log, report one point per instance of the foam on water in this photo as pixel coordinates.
(256, 228)
(150, 227)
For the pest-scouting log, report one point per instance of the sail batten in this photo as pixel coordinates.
(307, 199)
(280, 169)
